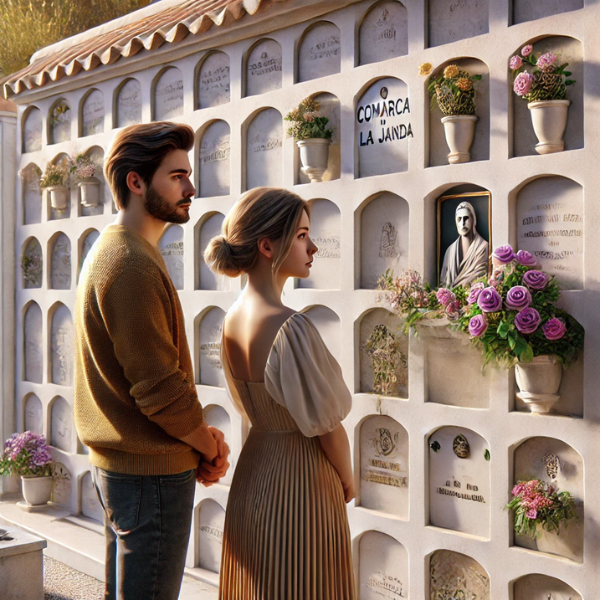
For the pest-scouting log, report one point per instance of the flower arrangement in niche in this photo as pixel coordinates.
(26, 454)
(82, 167)
(383, 348)
(31, 267)
(54, 175)
(454, 90)
(306, 124)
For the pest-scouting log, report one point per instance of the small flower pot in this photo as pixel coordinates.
(539, 382)
(59, 197)
(37, 490)
(459, 130)
(90, 189)
(549, 119)
(314, 154)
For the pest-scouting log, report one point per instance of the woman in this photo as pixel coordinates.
(286, 531)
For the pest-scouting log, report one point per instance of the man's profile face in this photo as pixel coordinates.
(464, 222)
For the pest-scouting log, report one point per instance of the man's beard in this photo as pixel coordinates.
(162, 210)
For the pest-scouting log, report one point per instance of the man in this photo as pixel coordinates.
(466, 259)
(136, 405)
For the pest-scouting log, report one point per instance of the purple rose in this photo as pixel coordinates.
(527, 50)
(526, 258)
(453, 311)
(536, 280)
(445, 296)
(504, 254)
(477, 326)
(516, 62)
(523, 83)
(554, 329)
(546, 60)
(518, 298)
(489, 300)
(476, 289)
(528, 320)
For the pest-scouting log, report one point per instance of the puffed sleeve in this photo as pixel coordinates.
(303, 376)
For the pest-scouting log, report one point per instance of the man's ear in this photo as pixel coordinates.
(135, 183)
(265, 247)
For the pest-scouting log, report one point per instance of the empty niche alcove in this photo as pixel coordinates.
(61, 160)
(383, 33)
(456, 575)
(327, 324)
(59, 122)
(61, 425)
(86, 241)
(33, 414)
(91, 116)
(264, 149)
(459, 481)
(384, 466)
(319, 52)
(560, 465)
(569, 50)
(395, 356)
(32, 264)
(90, 506)
(61, 345)
(452, 21)
(170, 246)
(168, 94)
(213, 80)
(209, 327)
(525, 10)
(205, 230)
(59, 249)
(31, 194)
(480, 148)
(32, 130)
(383, 238)
(214, 160)
(383, 567)
(33, 354)
(329, 108)
(325, 273)
(544, 587)
(383, 128)
(263, 67)
(216, 416)
(92, 203)
(128, 104)
(210, 519)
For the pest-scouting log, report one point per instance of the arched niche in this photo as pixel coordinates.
(383, 32)
(264, 150)
(32, 130)
(90, 506)
(209, 535)
(263, 67)
(207, 229)
(213, 81)
(383, 238)
(61, 485)
(60, 262)
(32, 194)
(325, 273)
(61, 425)
(59, 122)
(96, 155)
(452, 574)
(33, 414)
(459, 481)
(214, 160)
(168, 94)
(62, 160)
(543, 586)
(452, 21)
(384, 466)
(61, 345)
(524, 11)
(383, 128)
(383, 567)
(128, 103)
(171, 247)
(216, 416)
(569, 50)
(480, 148)
(86, 241)
(92, 113)
(559, 464)
(33, 353)
(32, 264)
(328, 325)
(209, 328)
(319, 52)
(398, 353)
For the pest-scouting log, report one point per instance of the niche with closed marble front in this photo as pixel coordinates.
(168, 94)
(328, 325)
(59, 249)
(456, 575)
(319, 52)
(210, 520)
(32, 264)
(33, 414)
(208, 329)
(171, 248)
(61, 345)
(207, 228)
(62, 434)
(213, 80)
(128, 104)
(214, 156)
(264, 149)
(544, 587)
(62, 487)
(31, 194)
(32, 130)
(525, 10)
(263, 70)
(59, 122)
(452, 21)
(86, 241)
(383, 32)
(217, 416)
(90, 506)
(33, 353)
(61, 160)
(91, 118)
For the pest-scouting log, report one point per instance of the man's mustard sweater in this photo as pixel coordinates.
(134, 387)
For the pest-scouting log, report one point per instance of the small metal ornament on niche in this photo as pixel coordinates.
(552, 464)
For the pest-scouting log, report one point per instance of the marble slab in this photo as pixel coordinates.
(61, 485)
(525, 10)
(90, 506)
(452, 21)
(34, 414)
(264, 150)
(60, 264)
(32, 131)
(320, 52)
(61, 425)
(214, 81)
(543, 587)
(61, 341)
(263, 68)
(60, 122)
(172, 250)
(32, 338)
(168, 95)
(129, 103)
(215, 154)
(211, 370)
(32, 195)
(455, 575)
(92, 114)
(384, 32)
(211, 519)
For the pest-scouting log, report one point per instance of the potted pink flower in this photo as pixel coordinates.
(83, 169)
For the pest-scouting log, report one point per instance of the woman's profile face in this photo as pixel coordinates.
(299, 260)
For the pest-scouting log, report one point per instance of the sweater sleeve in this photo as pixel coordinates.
(140, 319)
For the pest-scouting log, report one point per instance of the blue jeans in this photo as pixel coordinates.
(147, 527)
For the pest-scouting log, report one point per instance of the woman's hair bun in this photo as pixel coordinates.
(220, 258)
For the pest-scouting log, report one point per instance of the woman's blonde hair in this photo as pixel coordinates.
(273, 213)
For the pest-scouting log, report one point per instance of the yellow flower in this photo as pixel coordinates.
(464, 84)
(425, 69)
(451, 71)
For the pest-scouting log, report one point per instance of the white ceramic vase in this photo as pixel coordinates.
(89, 192)
(549, 119)
(37, 490)
(459, 130)
(314, 154)
(539, 382)
(59, 196)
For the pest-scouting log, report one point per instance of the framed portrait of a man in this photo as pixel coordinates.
(464, 225)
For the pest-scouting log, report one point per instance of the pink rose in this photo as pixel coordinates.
(516, 62)
(523, 83)
(503, 254)
(526, 258)
(554, 329)
(546, 60)
(445, 296)
(527, 50)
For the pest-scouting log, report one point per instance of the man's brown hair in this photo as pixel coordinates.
(142, 148)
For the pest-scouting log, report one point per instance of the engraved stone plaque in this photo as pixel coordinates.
(216, 416)
(60, 266)
(92, 114)
(211, 370)
(263, 68)
(32, 194)
(32, 131)
(88, 242)
(215, 170)
(129, 104)
(211, 519)
(90, 506)
(62, 346)
(34, 417)
(168, 95)
(383, 569)
(209, 280)
(171, 248)
(32, 264)
(452, 21)
(384, 466)
(328, 326)
(550, 226)
(61, 424)
(32, 339)
(264, 150)
(384, 32)
(60, 122)
(61, 485)
(320, 53)
(523, 11)
(455, 575)
(383, 128)
(213, 80)
(459, 488)
(543, 587)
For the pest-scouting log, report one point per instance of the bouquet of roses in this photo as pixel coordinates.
(26, 454)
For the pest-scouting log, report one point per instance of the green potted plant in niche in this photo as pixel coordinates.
(83, 170)
(312, 136)
(54, 180)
